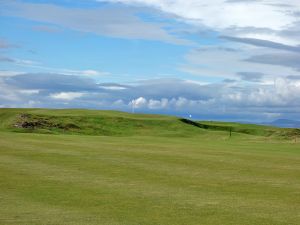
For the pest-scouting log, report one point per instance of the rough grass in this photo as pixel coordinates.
(252, 129)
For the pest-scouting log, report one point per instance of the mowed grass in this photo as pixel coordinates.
(143, 180)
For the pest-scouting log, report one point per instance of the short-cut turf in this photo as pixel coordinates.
(142, 179)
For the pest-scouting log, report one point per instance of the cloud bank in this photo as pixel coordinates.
(179, 97)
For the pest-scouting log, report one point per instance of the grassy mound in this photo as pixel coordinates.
(92, 122)
(114, 123)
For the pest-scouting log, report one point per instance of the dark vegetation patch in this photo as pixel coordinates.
(218, 127)
(29, 121)
(206, 126)
(285, 133)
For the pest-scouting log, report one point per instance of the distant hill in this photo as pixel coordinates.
(285, 123)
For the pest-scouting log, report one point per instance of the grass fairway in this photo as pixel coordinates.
(140, 179)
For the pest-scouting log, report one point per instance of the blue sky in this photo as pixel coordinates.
(232, 60)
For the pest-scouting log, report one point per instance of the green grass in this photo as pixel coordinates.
(113, 123)
(143, 178)
(92, 122)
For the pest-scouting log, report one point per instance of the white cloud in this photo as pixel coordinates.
(29, 92)
(262, 101)
(91, 72)
(221, 15)
(19, 62)
(113, 87)
(8, 93)
(9, 73)
(236, 100)
(108, 21)
(66, 95)
(223, 63)
(88, 72)
(35, 65)
(158, 104)
(138, 103)
(25, 62)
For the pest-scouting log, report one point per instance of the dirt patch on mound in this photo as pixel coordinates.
(27, 121)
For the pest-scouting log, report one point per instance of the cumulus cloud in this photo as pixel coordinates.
(66, 95)
(281, 93)
(158, 104)
(138, 103)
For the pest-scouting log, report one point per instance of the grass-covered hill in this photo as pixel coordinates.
(114, 123)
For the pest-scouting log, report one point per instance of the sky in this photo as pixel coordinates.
(230, 60)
